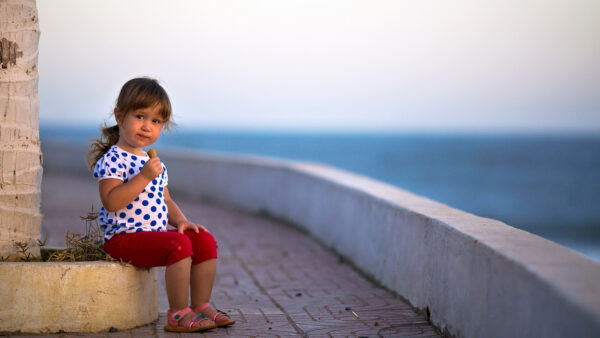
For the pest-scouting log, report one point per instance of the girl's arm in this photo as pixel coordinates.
(115, 195)
(177, 218)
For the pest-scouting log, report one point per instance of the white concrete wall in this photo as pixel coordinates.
(478, 277)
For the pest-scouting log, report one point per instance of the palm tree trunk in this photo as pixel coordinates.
(20, 155)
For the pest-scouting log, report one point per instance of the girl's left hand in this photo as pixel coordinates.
(187, 225)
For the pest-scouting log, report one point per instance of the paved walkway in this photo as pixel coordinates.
(272, 279)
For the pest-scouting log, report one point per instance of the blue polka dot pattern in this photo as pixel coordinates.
(147, 212)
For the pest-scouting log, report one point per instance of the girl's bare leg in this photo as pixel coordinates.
(202, 279)
(177, 281)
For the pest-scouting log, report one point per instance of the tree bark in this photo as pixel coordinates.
(20, 154)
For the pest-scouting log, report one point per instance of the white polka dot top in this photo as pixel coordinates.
(148, 212)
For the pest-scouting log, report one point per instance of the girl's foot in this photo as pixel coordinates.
(187, 320)
(219, 317)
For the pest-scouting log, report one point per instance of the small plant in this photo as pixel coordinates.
(80, 247)
(24, 254)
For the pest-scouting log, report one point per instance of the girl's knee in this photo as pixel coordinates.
(181, 242)
(202, 239)
(204, 246)
(180, 247)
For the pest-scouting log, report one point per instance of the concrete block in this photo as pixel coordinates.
(44, 297)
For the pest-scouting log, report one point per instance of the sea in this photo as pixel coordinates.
(547, 184)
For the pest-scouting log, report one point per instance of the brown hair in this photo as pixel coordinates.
(135, 94)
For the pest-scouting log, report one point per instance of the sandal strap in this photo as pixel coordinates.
(192, 320)
(177, 315)
(202, 307)
(218, 313)
(213, 315)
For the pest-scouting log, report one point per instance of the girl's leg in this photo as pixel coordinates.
(203, 276)
(177, 282)
(204, 267)
(202, 280)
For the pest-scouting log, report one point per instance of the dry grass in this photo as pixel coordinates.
(80, 247)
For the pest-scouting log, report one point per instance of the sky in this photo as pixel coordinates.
(462, 65)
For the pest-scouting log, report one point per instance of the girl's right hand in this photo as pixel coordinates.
(152, 168)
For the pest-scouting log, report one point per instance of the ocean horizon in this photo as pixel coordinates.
(544, 183)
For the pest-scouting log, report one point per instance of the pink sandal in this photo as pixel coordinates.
(220, 318)
(192, 324)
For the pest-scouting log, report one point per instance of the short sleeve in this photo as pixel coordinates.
(165, 177)
(109, 166)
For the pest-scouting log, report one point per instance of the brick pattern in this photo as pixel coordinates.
(276, 281)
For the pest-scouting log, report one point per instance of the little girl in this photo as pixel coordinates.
(137, 207)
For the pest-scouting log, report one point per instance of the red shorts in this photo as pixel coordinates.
(147, 249)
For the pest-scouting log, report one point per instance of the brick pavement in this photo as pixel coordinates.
(274, 280)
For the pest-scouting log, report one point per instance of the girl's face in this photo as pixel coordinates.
(139, 128)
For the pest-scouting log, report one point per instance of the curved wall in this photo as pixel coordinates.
(476, 276)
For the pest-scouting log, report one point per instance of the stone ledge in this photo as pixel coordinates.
(44, 297)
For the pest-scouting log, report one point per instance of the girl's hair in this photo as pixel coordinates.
(135, 94)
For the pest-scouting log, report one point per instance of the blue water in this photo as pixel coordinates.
(546, 184)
